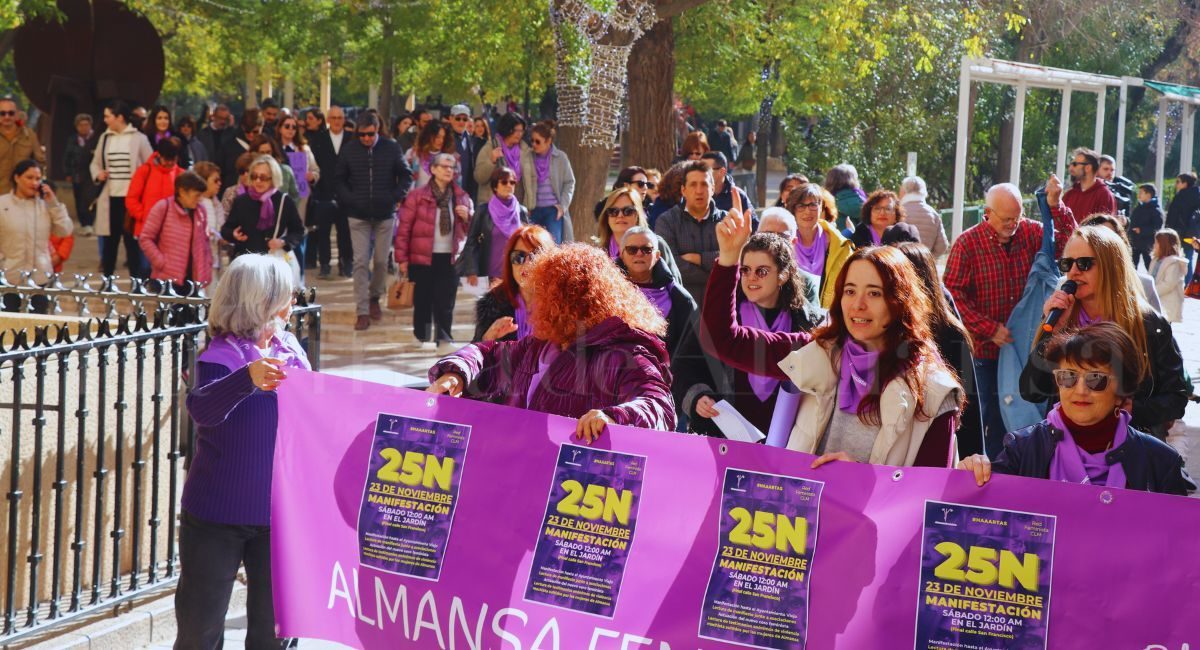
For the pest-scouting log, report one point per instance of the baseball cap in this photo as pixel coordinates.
(460, 109)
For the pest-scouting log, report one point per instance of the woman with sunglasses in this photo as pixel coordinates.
(549, 183)
(874, 387)
(594, 353)
(502, 314)
(820, 249)
(300, 159)
(494, 223)
(506, 149)
(623, 210)
(770, 298)
(1088, 436)
(251, 224)
(1098, 262)
(643, 263)
(634, 178)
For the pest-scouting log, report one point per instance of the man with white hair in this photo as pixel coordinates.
(988, 267)
(922, 216)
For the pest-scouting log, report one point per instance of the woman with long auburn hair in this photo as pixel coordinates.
(876, 389)
(502, 314)
(595, 352)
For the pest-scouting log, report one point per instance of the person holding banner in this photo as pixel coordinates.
(645, 265)
(1099, 263)
(595, 353)
(874, 387)
(1088, 436)
(502, 314)
(226, 506)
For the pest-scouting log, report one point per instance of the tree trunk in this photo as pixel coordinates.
(387, 77)
(651, 138)
(590, 165)
(1025, 54)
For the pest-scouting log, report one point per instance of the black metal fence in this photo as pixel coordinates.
(93, 418)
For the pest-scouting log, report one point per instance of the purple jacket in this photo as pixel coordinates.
(613, 367)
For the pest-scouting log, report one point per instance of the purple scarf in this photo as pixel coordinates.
(506, 218)
(1074, 465)
(874, 235)
(542, 165)
(661, 299)
(811, 258)
(859, 367)
(1085, 319)
(524, 327)
(266, 211)
(613, 249)
(751, 316)
(546, 359)
(159, 137)
(512, 156)
(236, 353)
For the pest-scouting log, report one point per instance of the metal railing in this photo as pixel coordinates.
(94, 423)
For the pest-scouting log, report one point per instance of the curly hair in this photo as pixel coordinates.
(791, 290)
(538, 240)
(670, 188)
(908, 343)
(578, 287)
(877, 197)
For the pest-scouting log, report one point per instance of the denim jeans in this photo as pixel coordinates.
(989, 404)
(548, 219)
(1190, 254)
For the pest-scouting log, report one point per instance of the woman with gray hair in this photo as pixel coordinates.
(264, 218)
(642, 260)
(429, 241)
(226, 506)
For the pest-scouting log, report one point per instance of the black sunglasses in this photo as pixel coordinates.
(634, 250)
(366, 134)
(1095, 381)
(760, 272)
(627, 211)
(645, 185)
(7, 113)
(521, 257)
(1082, 263)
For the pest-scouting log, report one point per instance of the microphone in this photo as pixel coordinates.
(1069, 288)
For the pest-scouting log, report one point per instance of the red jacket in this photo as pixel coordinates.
(165, 240)
(418, 221)
(151, 184)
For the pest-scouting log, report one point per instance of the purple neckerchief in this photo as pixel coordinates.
(241, 189)
(811, 258)
(512, 156)
(298, 161)
(521, 316)
(266, 211)
(542, 165)
(874, 235)
(236, 353)
(857, 380)
(546, 359)
(661, 299)
(506, 218)
(1074, 465)
(1085, 319)
(614, 251)
(751, 316)
(159, 137)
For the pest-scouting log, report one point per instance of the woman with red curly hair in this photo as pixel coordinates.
(502, 314)
(595, 353)
(876, 389)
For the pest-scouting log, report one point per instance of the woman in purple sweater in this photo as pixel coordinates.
(225, 519)
(595, 352)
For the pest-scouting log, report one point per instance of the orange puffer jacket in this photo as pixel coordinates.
(151, 183)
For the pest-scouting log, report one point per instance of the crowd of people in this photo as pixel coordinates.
(1045, 348)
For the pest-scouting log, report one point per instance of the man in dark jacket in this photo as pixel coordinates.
(724, 187)
(238, 144)
(218, 130)
(372, 183)
(468, 147)
(1121, 187)
(325, 211)
(721, 140)
(1147, 219)
(1181, 216)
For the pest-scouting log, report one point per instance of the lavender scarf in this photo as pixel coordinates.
(512, 156)
(811, 258)
(542, 165)
(1085, 319)
(751, 316)
(1074, 465)
(661, 299)
(266, 211)
(613, 249)
(524, 328)
(858, 371)
(506, 218)
(874, 235)
(235, 352)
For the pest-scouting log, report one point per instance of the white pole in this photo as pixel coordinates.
(1100, 100)
(1064, 123)
(1160, 146)
(1185, 141)
(1120, 156)
(289, 93)
(911, 167)
(1014, 171)
(251, 86)
(268, 87)
(373, 96)
(326, 84)
(960, 148)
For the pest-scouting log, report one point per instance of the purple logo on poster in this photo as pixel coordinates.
(583, 543)
(758, 591)
(411, 492)
(985, 578)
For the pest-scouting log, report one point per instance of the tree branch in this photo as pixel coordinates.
(671, 8)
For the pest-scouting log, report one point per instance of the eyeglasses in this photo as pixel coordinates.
(645, 185)
(287, 126)
(1082, 263)
(444, 166)
(808, 206)
(8, 113)
(627, 211)
(1095, 381)
(461, 118)
(366, 134)
(538, 141)
(882, 209)
(1076, 163)
(260, 177)
(760, 272)
(520, 258)
(635, 250)
(506, 181)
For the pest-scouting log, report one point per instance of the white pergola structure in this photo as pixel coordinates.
(1024, 76)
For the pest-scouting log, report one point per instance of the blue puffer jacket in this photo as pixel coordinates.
(1150, 464)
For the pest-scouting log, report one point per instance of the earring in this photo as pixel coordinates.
(1117, 412)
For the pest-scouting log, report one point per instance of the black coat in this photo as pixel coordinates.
(957, 354)
(683, 306)
(1160, 398)
(1148, 217)
(321, 144)
(468, 148)
(1181, 215)
(1150, 464)
(230, 152)
(490, 308)
(372, 181)
(476, 257)
(244, 214)
(214, 143)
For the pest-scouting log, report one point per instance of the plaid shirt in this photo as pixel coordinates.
(987, 280)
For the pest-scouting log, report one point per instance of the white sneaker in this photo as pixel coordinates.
(86, 231)
(426, 346)
(447, 347)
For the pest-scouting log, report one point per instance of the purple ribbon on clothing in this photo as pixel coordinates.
(1074, 465)
(751, 316)
(857, 380)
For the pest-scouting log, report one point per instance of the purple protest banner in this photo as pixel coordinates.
(1125, 574)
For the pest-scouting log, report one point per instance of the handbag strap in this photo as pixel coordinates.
(279, 216)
